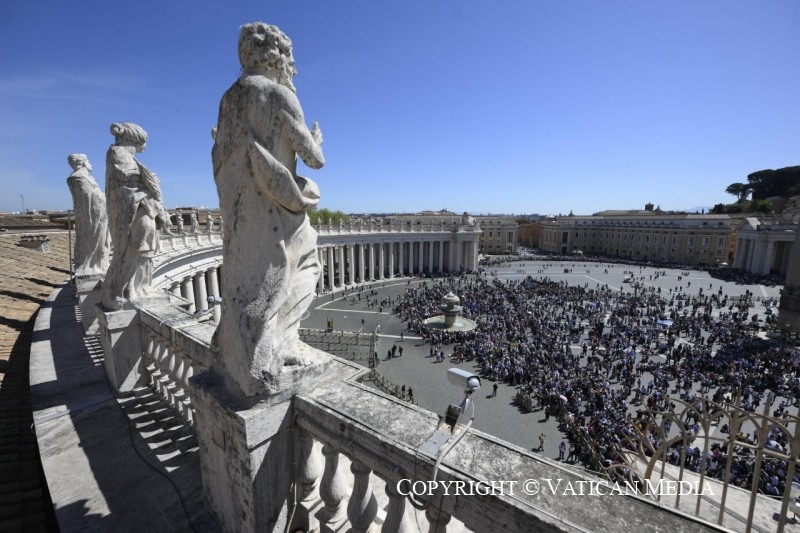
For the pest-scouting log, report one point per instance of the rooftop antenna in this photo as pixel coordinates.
(23, 202)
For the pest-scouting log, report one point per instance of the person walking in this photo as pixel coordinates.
(542, 438)
(494, 390)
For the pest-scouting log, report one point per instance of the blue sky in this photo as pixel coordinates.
(504, 107)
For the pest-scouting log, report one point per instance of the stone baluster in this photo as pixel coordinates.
(333, 491)
(150, 363)
(177, 364)
(308, 477)
(161, 377)
(362, 507)
(183, 380)
(437, 520)
(396, 519)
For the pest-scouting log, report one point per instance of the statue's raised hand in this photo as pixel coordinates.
(316, 133)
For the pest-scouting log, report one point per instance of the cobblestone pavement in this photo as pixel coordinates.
(497, 416)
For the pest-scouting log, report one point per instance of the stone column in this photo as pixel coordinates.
(421, 256)
(342, 267)
(321, 282)
(200, 291)
(381, 261)
(361, 270)
(400, 258)
(441, 256)
(187, 291)
(213, 289)
(411, 258)
(460, 260)
(767, 265)
(351, 258)
(330, 268)
(430, 256)
(391, 260)
(371, 261)
(175, 288)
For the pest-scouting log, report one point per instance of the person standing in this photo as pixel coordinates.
(562, 448)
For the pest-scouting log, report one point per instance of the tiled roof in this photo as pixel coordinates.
(27, 276)
(26, 222)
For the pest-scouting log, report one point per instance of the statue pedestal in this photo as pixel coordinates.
(88, 291)
(245, 458)
(122, 345)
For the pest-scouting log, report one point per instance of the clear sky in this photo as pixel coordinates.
(526, 106)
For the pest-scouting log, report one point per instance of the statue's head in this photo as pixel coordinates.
(262, 46)
(77, 161)
(128, 133)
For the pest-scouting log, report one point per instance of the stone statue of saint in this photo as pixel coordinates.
(269, 247)
(179, 221)
(135, 213)
(92, 241)
(195, 224)
(209, 222)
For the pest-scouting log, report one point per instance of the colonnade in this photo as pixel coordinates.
(348, 263)
(197, 287)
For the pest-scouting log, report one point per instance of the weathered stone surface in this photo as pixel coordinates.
(92, 240)
(136, 213)
(269, 247)
(88, 289)
(122, 344)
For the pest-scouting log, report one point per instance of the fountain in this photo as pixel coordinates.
(451, 319)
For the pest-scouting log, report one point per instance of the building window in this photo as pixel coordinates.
(690, 242)
(720, 242)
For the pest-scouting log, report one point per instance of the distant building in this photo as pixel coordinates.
(645, 235)
(500, 234)
(763, 244)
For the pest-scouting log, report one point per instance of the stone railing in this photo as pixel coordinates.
(175, 347)
(171, 242)
(491, 485)
(381, 226)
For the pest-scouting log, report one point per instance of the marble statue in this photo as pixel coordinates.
(269, 246)
(195, 225)
(179, 221)
(135, 213)
(209, 222)
(92, 241)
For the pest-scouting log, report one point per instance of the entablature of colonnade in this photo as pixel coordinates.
(183, 255)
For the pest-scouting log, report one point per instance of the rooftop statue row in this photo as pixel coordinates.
(269, 250)
(129, 216)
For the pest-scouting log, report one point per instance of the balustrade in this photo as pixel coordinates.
(176, 348)
(382, 439)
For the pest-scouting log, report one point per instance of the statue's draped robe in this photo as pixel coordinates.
(269, 285)
(134, 201)
(92, 241)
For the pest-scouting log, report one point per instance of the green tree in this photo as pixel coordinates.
(739, 190)
(326, 216)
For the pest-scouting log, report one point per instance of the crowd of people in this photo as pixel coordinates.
(626, 370)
